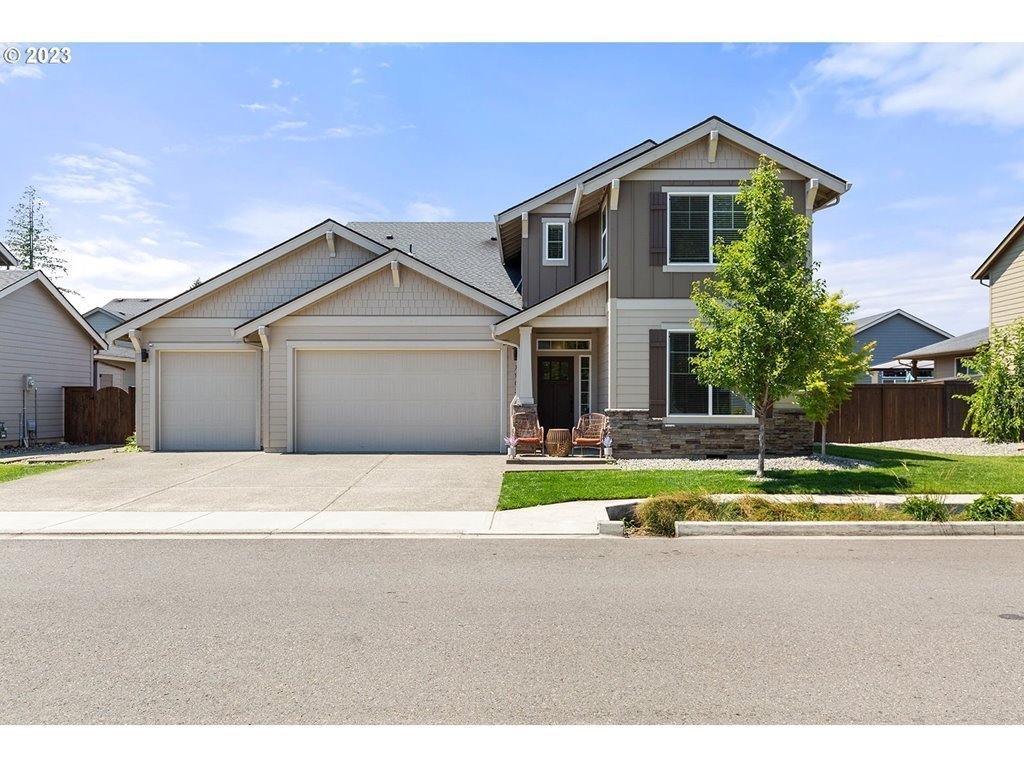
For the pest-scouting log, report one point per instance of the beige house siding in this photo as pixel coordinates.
(416, 295)
(39, 338)
(284, 279)
(695, 155)
(281, 333)
(945, 367)
(1006, 291)
(630, 356)
(590, 304)
(117, 375)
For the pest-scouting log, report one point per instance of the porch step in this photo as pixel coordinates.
(555, 461)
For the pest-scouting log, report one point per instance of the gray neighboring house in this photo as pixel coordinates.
(894, 332)
(423, 337)
(7, 259)
(43, 337)
(947, 357)
(115, 366)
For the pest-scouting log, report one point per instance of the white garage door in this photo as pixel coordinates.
(381, 401)
(209, 401)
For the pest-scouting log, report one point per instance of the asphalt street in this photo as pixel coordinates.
(512, 631)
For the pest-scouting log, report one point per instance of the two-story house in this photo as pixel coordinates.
(420, 336)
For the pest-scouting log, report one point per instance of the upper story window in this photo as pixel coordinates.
(604, 236)
(696, 221)
(555, 240)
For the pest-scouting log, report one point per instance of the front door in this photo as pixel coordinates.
(555, 399)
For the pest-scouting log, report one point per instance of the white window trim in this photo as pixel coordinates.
(709, 192)
(603, 239)
(579, 385)
(709, 417)
(546, 225)
(549, 338)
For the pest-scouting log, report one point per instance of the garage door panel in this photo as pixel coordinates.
(396, 400)
(208, 401)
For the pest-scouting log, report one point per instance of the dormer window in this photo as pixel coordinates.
(555, 240)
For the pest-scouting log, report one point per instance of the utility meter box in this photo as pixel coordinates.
(30, 382)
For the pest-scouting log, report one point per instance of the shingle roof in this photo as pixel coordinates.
(129, 308)
(967, 342)
(860, 322)
(9, 276)
(463, 249)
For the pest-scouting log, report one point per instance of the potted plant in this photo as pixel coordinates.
(511, 442)
(607, 443)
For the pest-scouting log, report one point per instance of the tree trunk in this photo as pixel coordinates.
(761, 424)
(824, 425)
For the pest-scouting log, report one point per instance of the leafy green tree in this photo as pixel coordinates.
(762, 319)
(841, 364)
(995, 409)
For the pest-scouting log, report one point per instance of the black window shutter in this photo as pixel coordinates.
(659, 227)
(656, 373)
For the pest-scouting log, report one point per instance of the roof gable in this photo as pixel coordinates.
(7, 259)
(35, 277)
(864, 323)
(563, 302)
(385, 261)
(724, 131)
(1006, 246)
(328, 230)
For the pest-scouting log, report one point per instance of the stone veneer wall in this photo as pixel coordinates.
(635, 434)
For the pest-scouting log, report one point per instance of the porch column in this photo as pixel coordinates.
(524, 365)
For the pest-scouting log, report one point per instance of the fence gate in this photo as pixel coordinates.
(98, 416)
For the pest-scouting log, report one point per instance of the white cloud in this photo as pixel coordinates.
(288, 125)
(967, 83)
(278, 83)
(20, 71)
(920, 203)
(420, 211)
(258, 106)
(932, 281)
(109, 178)
(267, 224)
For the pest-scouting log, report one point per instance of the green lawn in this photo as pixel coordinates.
(18, 471)
(897, 472)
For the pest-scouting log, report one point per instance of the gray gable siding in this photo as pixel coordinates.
(896, 336)
(49, 345)
(101, 321)
(541, 282)
(633, 276)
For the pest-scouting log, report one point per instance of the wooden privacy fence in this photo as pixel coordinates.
(98, 416)
(877, 412)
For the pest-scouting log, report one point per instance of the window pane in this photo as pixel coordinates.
(686, 395)
(725, 403)
(556, 241)
(729, 218)
(584, 385)
(688, 228)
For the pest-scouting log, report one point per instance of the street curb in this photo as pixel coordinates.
(611, 528)
(853, 528)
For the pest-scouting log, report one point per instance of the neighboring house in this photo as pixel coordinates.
(44, 338)
(947, 357)
(423, 336)
(893, 332)
(7, 259)
(1003, 273)
(115, 366)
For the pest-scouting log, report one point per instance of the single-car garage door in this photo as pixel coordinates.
(381, 401)
(209, 401)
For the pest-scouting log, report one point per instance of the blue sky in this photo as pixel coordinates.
(162, 163)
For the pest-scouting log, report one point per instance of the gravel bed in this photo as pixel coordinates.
(827, 463)
(955, 446)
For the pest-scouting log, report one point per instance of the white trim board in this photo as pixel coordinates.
(359, 273)
(334, 321)
(543, 307)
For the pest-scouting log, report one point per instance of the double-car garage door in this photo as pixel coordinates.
(352, 400)
(396, 400)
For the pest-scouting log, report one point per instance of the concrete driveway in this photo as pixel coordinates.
(192, 483)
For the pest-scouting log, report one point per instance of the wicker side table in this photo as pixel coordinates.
(559, 442)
